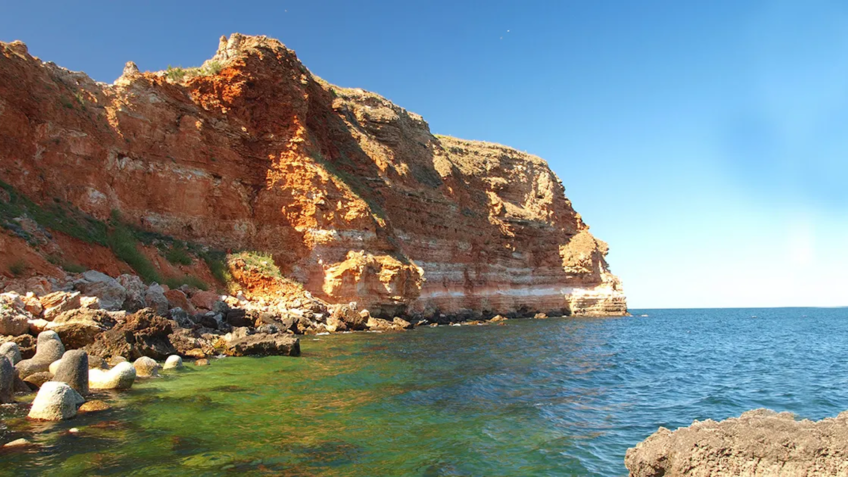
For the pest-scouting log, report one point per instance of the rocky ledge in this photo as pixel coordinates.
(757, 443)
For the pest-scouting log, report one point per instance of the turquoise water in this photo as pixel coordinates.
(536, 397)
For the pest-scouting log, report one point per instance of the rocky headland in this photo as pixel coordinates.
(252, 177)
(757, 443)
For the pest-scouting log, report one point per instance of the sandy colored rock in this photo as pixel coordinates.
(757, 443)
(146, 367)
(400, 323)
(201, 362)
(378, 324)
(263, 345)
(59, 302)
(122, 376)
(93, 406)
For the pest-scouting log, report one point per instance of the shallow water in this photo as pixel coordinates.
(536, 397)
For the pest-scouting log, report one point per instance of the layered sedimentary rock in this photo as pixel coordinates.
(757, 443)
(351, 194)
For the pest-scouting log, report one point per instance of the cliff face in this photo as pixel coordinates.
(353, 195)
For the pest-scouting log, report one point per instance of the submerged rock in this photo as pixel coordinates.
(122, 376)
(54, 402)
(93, 406)
(757, 443)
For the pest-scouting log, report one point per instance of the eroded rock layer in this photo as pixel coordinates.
(353, 195)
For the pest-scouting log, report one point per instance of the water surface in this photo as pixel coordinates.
(536, 397)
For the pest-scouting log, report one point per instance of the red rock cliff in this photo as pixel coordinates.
(352, 195)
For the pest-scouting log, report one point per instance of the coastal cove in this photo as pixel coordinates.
(562, 396)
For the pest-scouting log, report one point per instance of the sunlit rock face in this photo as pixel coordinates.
(353, 195)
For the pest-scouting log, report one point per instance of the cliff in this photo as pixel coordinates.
(351, 195)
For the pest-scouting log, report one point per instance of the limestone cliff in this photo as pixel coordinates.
(351, 194)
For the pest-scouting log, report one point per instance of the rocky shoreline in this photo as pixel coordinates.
(757, 443)
(66, 338)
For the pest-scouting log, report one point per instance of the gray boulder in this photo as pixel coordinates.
(109, 292)
(7, 381)
(156, 299)
(73, 370)
(55, 401)
(12, 351)
(135, 292)
(49, 348)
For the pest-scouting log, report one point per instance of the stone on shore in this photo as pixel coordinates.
(142, 334)
(156, 299)
(14, 319)
(59, 302)
(146, 367)
(49, 348)
(108, 291)
(11, 350)
(55, 401)
(135, 293)
(122, 376)
(173, 362)
(378, 324)
(202, 362)
(400, 323)
(73, 370)
(757, 443)
(7, 380)
(263, 344)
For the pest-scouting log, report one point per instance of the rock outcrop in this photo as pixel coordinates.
(352, 196)
(142, 334)
(757, 443)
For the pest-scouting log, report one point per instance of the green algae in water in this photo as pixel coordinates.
(549, 397)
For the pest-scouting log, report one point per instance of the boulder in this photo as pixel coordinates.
(146, 367)
(14, 319)
(73, 370)
(93, 406)
(108, 291)
(48, 349)
(378, 324)
(59, 302)
(400, 323)
(78, 334)
(209, 320)
(178, 299)
(191, 343)
(540, 316)
(36, 380)
(25, 343)
(142, 334)
(263, 344)
(204, 300)
(55, 401)
(155, 299)
(38, 325)
(32, 304)
(497, 318)
(350, 317)
(11, 350)
(103, 318)
(122, 376)
(173, 362)
(114, 360)
(135, 292)
(335, 324)
(238, 318)
(181, 318)
(7, 380)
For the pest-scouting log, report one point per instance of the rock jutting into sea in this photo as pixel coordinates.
(249, 173)
(757, 443)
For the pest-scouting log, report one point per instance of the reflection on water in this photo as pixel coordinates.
(548, 397)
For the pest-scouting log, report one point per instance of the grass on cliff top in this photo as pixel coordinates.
(178, 73)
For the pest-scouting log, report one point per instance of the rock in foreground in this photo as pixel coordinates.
(758, 443)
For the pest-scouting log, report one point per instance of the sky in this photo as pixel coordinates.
(706, 142)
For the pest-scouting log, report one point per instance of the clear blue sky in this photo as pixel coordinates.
(707, 142)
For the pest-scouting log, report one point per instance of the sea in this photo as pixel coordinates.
(555, 397)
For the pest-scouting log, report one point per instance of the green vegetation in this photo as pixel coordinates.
(259, 262)
(189, 280)
(69, 267)
(18, 268)
(177, 73)
(217, 263)
(125, 246)
(178, 255)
